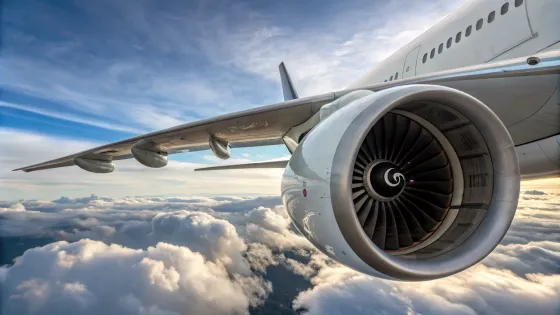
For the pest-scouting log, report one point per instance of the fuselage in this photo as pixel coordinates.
(483, 31)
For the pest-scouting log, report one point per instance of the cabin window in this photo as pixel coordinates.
(396, 75)
(391, 78)
(458, 37)
(504, 8)
(468, 31)
(432, 53)
(425, 58)
(440, 48)
(518, 3)
(491, 16)
(479, 24)
(449, 41)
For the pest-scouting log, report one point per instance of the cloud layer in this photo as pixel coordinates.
(162, 260)
(168, 252)
(91, 277)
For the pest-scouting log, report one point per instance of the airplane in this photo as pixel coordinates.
(412, 172)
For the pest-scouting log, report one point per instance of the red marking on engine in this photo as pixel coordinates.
(305, 192)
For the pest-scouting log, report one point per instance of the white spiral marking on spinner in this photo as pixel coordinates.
(396, 177)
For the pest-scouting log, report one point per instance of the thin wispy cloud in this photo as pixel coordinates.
(150, 67)
(72, 118)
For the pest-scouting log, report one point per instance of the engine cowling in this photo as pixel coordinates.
(411, 183)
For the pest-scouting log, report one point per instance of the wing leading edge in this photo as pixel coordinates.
(268, 124)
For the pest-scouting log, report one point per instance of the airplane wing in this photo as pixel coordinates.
(255, 127)
(268, 124)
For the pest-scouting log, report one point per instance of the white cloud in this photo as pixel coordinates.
(94, 278)
(523, 259)
(334, 54)
(479, 290)
(214, 238)
(273, 229)
(161, 261)
(219, 228)
(69, 117)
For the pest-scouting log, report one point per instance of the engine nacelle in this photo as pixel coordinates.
(95, 166)
(411, 183)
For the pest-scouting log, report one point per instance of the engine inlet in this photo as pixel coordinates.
(402, 183)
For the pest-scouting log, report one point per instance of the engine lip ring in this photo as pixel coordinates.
(500, 211)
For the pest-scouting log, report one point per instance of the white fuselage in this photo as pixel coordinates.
(483, 31)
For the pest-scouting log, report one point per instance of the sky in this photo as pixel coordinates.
(78, 74)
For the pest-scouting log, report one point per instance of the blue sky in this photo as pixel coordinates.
(93, 72)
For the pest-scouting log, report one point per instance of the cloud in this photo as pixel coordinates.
(273, 229)
(92, 278)
(73, 118)
(139, 222)
(215, 239)
(542, 257)
(328, 56)
(161, 260)
(140, 70)
(156, 238)
(480, 290)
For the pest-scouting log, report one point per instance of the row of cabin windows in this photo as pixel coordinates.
(503, 10)
(391, 78)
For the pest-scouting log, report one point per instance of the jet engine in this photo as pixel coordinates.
(411, 183)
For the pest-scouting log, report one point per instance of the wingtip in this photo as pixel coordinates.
(25, 169)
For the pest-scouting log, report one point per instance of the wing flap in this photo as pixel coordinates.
(269, 164)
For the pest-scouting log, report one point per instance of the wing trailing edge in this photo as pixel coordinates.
(270, 164)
